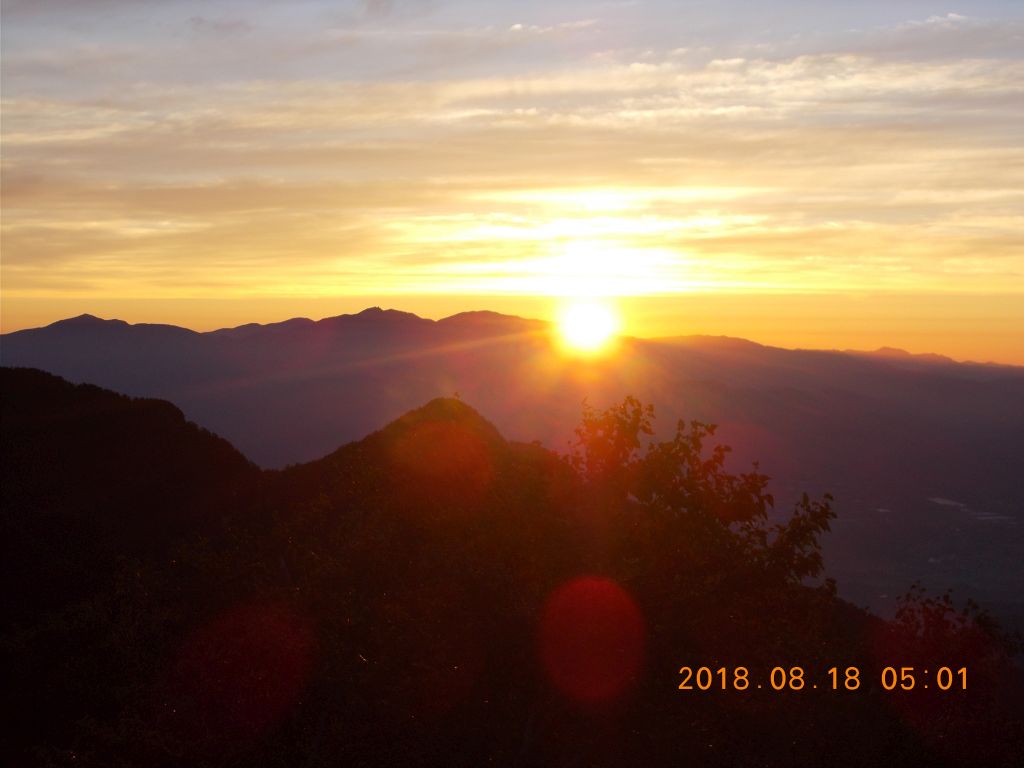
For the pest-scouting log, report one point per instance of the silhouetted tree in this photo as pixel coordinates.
(679, 492)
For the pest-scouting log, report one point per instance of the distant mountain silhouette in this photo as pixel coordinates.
(887, 433)
(436, 594)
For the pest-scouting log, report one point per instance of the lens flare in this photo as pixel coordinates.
(238, 676)
(592, 639)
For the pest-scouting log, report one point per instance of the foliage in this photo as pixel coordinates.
(381, 606)
(680, 489)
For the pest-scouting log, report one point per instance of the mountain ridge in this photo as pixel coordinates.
(490, 318)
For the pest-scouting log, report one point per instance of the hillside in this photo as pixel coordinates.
(435, 594)
(90, 476)
(921, 453)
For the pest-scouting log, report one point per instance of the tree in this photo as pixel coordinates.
(679, 496)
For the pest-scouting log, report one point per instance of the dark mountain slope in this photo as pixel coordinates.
(434, 594)
(445, 450)
(89, 476)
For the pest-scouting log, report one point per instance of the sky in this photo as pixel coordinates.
(798, 172)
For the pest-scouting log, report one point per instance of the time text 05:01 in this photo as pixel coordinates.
(834, 678)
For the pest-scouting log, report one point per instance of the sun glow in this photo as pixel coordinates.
(587, 327)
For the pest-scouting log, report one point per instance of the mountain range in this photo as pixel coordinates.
(921, 453)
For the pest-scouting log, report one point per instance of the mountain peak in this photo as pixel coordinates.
(891, 352)
(374, 312)
(443, 450)
(895, 353)
(451, 413)
(377, 316)
(473, 314)
(445, 409)
(487, 319)
(86, 321)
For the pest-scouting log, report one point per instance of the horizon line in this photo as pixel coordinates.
(884, 352)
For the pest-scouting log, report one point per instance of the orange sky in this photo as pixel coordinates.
(848, 177)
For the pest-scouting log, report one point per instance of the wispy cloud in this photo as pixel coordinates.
(429, 147)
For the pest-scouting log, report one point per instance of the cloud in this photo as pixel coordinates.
(947, 36)
(456, 162)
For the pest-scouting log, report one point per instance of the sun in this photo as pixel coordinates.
(587, 327)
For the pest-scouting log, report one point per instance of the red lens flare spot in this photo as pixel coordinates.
(446, 461)
(592, 638)
(243, 672)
